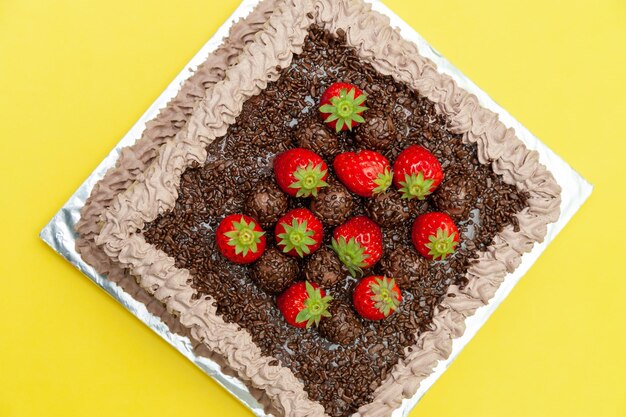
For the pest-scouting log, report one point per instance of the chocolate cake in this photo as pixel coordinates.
(220, 163)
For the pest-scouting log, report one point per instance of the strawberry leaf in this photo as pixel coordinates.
(309, 180)
(415, 186)
(442, 244)
(244, 238)
(385, 298)
(296, 236)
(382, 181)
(351, 254)
(315, 306)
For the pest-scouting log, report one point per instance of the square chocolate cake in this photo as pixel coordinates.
(320, 210)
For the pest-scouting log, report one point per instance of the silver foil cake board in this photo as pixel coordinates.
(60, 233)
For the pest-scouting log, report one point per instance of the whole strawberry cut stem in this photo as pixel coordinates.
(244, 238)
(309, 180)
(351, 254)
(296, 236)
(345, 109)
(315, 306)
(385, 298)
(442, 244)
(415, 186)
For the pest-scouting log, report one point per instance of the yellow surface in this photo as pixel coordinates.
(75, 75)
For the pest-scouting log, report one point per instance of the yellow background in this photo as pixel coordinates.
(75, 75)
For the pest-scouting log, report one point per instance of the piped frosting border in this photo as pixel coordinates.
(380, 45)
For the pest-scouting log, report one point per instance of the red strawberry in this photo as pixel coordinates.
(364, 173)
(299, 232)
(358, 243)
(416, 172)
(341, 106)
(300, 172)
(435, 235)
(240, 239)
(303, 304)
(376, 297)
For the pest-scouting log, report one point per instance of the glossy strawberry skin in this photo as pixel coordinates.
(366, 233)
(227, 225)
(426, 226)
(291, 302)
(301, 215)
(413, 160)
(362, 299)
(333, 91)
(360, 171)
(287, 163)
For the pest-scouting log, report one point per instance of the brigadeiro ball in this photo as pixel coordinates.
(377, 133)
(313, 135)
(342, 327)
(324, 268)
(275, 272)
(457, 196)
(406, 266)
(333, 204)
(266, 203)
(388, 209)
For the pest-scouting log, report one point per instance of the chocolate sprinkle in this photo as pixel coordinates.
(334, 204)
(324, 268)
(312, 134)
(389, 209)
(377, 133)
(341, 378)
(342, 327)
(457, 196)
(266, 203)
(406, 266)
(274, 272)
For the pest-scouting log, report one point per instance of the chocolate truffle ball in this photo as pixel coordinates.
(333, 204)
(266, 203)
(313, 135)
(324, 268)
(406, 266)
(377, 133)
(457, 196)
(342, 327)
(275, 272)
(388, 209)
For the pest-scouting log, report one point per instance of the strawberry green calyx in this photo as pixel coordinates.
(296, 236)
(383, 181)
(315, 306)
(309, 180)
(385, 298)
(442, 244)
(244, 238)
(415, 186)
(351, 254)
(345, 109)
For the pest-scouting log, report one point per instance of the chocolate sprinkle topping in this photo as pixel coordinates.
(274, 272)
(389, 209)
(333, 205)
(266, 203)
(406, 266)
(342, 327)
(457, 195)
(312, 134)
(324, 268)
(377, 133)
(342, 378)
